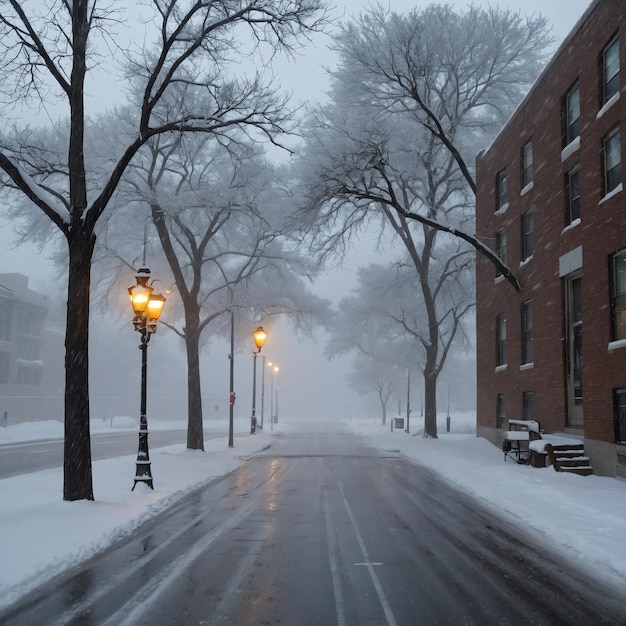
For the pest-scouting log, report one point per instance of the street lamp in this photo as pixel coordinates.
(275, 369)
(276, 408)
(262, 391)
(259, 339)
(408, 399)
(147, 307)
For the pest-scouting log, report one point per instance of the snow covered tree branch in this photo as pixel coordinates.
(51, 51)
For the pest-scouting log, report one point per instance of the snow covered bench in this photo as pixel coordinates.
(517, 439)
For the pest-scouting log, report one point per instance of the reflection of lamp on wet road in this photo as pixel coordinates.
(147, 307)
(259, 339)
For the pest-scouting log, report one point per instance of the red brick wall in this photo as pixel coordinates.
(602, 232)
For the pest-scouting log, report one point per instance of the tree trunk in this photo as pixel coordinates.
(383, 404)
(77, 478)
(195, 434)
(430, 403)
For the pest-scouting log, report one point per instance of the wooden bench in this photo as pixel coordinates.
(517, 438)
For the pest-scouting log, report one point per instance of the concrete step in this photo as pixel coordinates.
(582, 470)
(572, 461)
(569, 458)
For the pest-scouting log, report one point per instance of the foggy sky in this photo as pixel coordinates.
(309, 385)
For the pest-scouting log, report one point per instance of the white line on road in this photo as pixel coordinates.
(391, 620)
(334, 569)
(152, 590)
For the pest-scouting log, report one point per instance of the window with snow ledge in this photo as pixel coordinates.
(612, 193)
(609, 103)
(498, 279)
(575, 223)
(526, 189)
(502, 209)
(570, 148)
(526, 366)
(501, 368)
(616, 345)
(527, 260)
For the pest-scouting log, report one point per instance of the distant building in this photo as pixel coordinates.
(550, 201)
(31, 356)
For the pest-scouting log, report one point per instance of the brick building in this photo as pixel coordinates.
(550, 202)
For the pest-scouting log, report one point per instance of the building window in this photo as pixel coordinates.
(528, 405)
(500, 340)
(572, 182)
(610, 70)
(527, 163)
(528, 236)
(28, 375)
(501, 248)
(28, 331)
(527, 332)
(6, 317)
(612, 160)
(501, 411)
(571, 114)
(618, 296)
(573, 347)
(620, 415)
(501, 191)
(4, 367)
(30, 320)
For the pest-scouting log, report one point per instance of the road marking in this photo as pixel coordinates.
(391, 620)
(334, 569)
(152, 589)
(79, 608)
(130, 613)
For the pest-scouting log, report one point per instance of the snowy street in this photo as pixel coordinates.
(315, 526)
(24, 457)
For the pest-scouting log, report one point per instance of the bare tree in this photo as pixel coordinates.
(455, 76)
(402, 316)
(413, 98)
(46, 53)
(220, 217)
(416, 175)
(369, 374)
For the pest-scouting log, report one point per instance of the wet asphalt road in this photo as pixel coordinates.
(33, 456)
(320, 529)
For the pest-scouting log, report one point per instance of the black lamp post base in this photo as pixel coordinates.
(146, 481)
(143, 473)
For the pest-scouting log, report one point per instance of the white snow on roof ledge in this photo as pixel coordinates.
(571, 225)
(612, 193)
(616, 345)
(570, 148)
(607, 105)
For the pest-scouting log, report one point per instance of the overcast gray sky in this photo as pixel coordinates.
(327, 382)
(307, 381)
(305, 78)
(305, 75)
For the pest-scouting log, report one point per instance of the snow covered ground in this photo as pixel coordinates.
(585, 517)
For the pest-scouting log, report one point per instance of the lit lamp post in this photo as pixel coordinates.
(259, 339)
(276, 410)
(147, 307)
(275, 369)
(262, 391)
